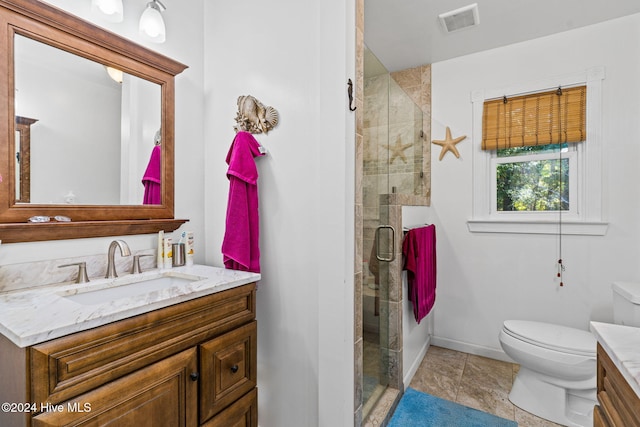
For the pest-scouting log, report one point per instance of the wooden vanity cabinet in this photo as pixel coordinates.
(161, 394)
(618, 405)
(190, 364)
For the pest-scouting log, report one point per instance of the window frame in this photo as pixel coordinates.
(589, 216)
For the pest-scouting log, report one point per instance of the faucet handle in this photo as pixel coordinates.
(82, 271)
(135, 267)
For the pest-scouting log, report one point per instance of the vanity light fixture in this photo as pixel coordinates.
(111, 10)
(115, 74)
(151, 22)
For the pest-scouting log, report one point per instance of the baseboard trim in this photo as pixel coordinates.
(416, 363)
(478, 350)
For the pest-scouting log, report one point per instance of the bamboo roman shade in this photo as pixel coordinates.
(542, 118)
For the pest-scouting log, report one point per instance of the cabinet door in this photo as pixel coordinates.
(243, 413)
(619, 404)
(228, 369)
(162, 394)
(599, 419)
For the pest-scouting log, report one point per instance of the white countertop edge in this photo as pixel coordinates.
(17, 329)
(622, 344)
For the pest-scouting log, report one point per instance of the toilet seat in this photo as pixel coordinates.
(552, 337)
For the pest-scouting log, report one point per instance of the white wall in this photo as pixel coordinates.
(296, 56)
(185, 44)
(484, 279)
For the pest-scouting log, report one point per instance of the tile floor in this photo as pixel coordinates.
(474, 381)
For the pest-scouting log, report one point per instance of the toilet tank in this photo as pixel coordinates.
(626, 303)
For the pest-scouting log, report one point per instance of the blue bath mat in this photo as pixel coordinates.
(418, 409)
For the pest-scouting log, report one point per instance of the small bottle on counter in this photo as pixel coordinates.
(190, 248)
(160, 254)
(167, 254)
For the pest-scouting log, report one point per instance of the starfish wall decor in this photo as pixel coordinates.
(449, 144)
(397, 150)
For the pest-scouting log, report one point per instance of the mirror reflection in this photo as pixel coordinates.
(85, 134)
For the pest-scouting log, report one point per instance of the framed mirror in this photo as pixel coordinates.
(87, 128)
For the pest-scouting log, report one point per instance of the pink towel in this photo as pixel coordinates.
(152, 177)
(240, 247)
(419, 250)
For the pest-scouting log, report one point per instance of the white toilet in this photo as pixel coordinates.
(557, 376)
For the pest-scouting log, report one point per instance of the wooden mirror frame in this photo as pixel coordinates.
(23, 128)
(57, 28)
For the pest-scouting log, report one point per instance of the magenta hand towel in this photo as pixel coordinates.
(419, 250)
(240, 247)
(152, 177)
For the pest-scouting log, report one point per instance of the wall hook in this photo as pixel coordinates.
(350, 93)
(254, 117)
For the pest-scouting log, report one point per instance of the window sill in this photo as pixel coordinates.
(538, 227)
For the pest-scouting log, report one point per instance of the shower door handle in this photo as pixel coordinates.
(393, 243)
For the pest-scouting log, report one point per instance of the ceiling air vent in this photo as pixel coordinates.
(458, 19)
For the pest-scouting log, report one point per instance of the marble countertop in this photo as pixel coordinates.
(622, 344)
(38, 314)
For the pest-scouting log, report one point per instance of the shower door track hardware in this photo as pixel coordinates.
(393, 243)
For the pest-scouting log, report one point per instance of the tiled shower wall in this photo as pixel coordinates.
(391, 117)
(416, 83)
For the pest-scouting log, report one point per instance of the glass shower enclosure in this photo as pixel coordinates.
(392, 164)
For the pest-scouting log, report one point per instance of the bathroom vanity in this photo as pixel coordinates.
(618, 375)
(183, 354)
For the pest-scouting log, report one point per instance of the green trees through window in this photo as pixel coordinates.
(533, 178)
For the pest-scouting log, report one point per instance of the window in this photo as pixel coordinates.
(538, 155)
(535, 179)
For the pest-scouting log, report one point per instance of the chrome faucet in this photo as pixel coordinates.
(111, 265)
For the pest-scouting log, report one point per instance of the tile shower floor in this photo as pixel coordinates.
(474, 381)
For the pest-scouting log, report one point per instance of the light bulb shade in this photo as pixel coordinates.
(151, 23)
(115, 74)
(111, 10)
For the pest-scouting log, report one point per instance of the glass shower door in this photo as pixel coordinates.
(377, 233)
(392, 166)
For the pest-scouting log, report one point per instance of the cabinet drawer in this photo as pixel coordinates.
(66, 367)
(227, 368)
(243, 413)
(162, 394)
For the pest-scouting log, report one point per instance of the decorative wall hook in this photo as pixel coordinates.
(350, 93)
(254, 117)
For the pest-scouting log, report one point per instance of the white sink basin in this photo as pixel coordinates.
(126, 287)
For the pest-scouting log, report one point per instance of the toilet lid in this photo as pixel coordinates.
(553, 337)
